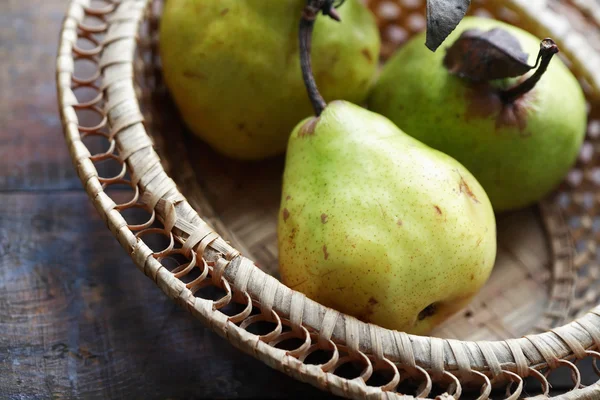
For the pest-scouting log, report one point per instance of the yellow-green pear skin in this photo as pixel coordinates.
(233, 67)
(518, 153)
(378, 225)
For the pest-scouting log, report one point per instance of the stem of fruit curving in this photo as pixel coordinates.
(307, 23)
(547, 50)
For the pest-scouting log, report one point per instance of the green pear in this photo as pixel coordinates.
(520, 150)
(233, 69)
(378, 225)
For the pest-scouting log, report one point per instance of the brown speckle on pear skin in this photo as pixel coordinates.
(286, 214)
(514, 114)
(327, 273)
(365, 52)
(288, 197)
(323, 218)
(472, 277)
(308, 129)
(399, 222)
(464, 188)
(484, 101)
(224, 12)
(365, 316)
(438, 209)
(194, 75)
(325, 253)
(298, 284)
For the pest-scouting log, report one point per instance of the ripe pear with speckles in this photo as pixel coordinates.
(519, 150)
(232, 67)
(378, 225)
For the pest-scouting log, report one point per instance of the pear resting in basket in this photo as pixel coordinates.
(387, 220)
(233, 68)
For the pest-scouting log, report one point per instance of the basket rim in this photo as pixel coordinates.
(514, 358)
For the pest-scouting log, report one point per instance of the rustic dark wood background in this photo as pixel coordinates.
(77, 319)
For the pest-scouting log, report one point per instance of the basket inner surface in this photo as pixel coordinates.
(514, 302)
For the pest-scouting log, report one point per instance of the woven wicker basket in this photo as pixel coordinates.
(112, 99)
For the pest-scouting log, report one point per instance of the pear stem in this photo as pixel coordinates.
(307, 24)
(548, 49)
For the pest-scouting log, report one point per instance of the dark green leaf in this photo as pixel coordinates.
(442, 17)
(486, 55)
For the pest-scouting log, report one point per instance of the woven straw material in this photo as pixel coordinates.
(107, 70)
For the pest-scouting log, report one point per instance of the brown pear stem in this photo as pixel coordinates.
(548, 49)
(307, 24)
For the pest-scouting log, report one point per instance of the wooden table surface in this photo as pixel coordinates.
(77, 319)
